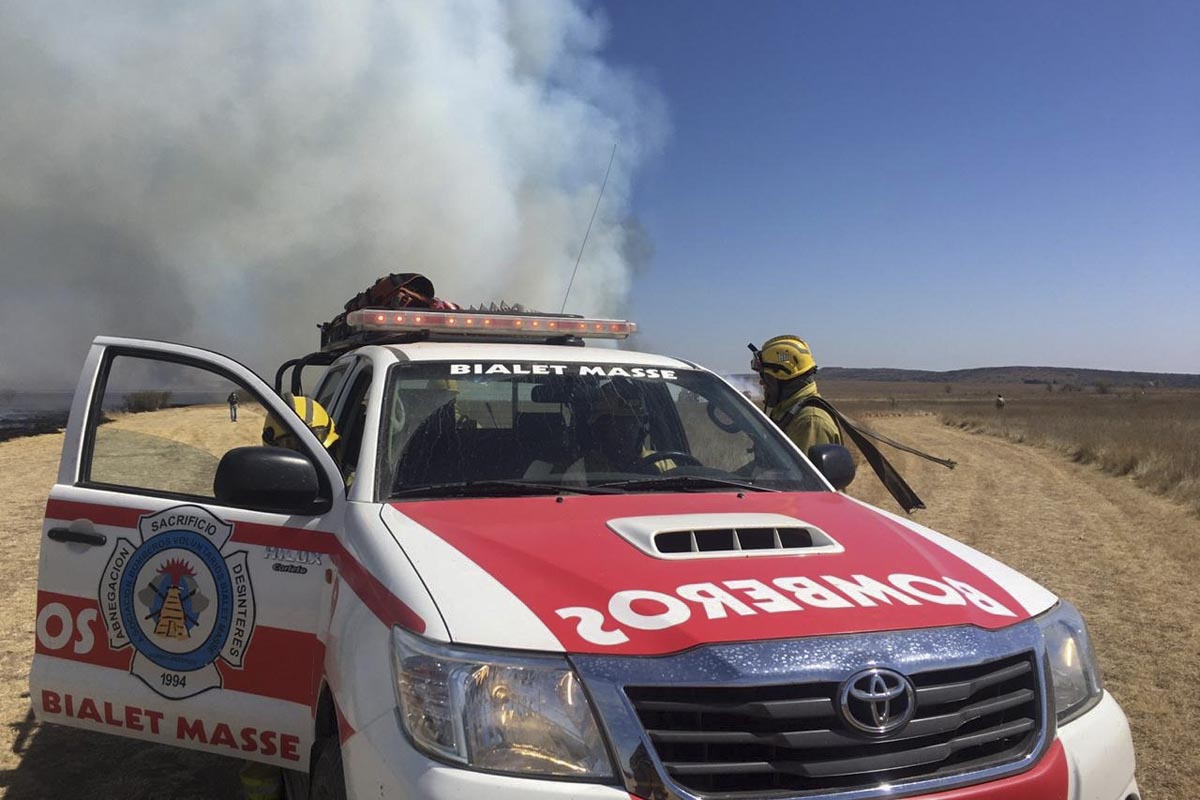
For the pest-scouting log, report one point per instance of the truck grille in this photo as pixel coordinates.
(740, 741)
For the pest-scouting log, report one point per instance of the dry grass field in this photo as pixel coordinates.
(1152, 437)
(1123, 554)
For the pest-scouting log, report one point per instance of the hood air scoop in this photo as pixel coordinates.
(687, 536)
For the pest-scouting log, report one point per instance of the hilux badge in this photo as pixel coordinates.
(179, 600)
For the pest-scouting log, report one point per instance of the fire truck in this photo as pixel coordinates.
(516, 566)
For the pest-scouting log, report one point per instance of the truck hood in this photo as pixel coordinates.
(649, 574)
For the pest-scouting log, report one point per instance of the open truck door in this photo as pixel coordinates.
(185, 573)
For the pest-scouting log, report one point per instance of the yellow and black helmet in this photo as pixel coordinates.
(276, 434)
(783, 358)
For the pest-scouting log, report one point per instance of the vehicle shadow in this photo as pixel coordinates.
(66, 762)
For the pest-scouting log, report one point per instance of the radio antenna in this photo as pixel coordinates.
(589, 229)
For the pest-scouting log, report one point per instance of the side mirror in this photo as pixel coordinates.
(835, 463)
(267, 479)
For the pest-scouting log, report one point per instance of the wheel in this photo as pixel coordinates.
(680, 458)
(327, 781)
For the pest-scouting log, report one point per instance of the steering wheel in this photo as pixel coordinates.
(680, 458)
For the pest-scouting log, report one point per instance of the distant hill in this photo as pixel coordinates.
(1059, 375)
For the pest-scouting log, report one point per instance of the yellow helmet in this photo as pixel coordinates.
(783, 358)
(276, 434)
(445, 384)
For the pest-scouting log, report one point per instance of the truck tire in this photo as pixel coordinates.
(327, 781)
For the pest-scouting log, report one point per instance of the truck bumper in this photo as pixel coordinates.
(1091, 760)
(1099, 752)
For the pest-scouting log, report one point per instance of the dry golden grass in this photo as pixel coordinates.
(176, 450)
(1151, 437)
(1154, 439)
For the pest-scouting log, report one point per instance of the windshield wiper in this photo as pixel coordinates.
(696, 483)
(494, 488)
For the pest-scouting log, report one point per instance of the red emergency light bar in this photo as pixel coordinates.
(512, 325)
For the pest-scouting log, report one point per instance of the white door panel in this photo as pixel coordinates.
(156, 599)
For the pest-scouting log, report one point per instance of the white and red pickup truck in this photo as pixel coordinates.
(531, 569)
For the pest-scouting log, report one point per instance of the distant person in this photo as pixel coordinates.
(787, 372)
(1000, 402)
(233, 405)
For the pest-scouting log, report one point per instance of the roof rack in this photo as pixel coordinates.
(322, 358)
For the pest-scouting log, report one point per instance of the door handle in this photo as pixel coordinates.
(82, 537)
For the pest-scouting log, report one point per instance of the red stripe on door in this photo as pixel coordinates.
(72, 627)
(243, 532)
(385, 605)
(279, 663)
(68, 510)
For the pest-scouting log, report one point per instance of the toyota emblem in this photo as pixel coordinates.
(877, 701)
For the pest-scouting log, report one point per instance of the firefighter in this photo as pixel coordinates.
(276, 434)
(787, 372)
(617, 432)
(450, 386)
(617, 437)
(233, 405)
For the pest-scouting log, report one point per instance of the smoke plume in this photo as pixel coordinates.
(227, 174)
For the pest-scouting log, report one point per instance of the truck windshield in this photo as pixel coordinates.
(477, 429)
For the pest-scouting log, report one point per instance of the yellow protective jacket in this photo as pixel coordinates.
(808, 427)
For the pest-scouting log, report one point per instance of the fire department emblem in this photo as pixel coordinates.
(179, 600)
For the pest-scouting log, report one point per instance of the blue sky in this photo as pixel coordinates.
(929, 185)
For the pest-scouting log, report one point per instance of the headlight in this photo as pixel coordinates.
(497, 711)
(1074, 673)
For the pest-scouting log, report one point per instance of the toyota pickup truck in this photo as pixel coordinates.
(527, 568)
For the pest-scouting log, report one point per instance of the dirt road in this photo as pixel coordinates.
(1121, 555)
